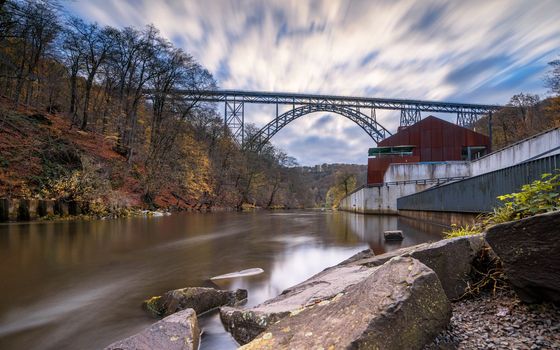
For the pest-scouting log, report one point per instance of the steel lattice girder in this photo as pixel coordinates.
(375, 130)
(234, 118)
(410, 116)
(353, 102)
(466, 118)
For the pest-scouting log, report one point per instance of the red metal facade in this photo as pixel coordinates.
(434, 140)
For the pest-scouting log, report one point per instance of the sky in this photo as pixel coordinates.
(464, 51)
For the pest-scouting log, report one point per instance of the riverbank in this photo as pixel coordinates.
(29, 210)
(500, 321)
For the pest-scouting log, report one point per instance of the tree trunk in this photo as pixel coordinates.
(89, 84)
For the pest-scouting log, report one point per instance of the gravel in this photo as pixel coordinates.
(500, 322)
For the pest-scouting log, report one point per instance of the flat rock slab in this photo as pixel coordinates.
(530, 252)
(401, 305)
(245, 325)
(176, 332)
(450, 259)
(198, 298)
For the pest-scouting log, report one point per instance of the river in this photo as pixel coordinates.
(80, 284)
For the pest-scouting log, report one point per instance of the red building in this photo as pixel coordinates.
(430, 140)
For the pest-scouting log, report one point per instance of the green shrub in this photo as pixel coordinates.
(540, 196)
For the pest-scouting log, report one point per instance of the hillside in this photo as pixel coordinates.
(527, 116)
(42, 153)
(38, 148)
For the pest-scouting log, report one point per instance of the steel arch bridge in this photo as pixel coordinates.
(368, 123)
(347, 106)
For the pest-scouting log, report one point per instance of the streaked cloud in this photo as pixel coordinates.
(471, 51)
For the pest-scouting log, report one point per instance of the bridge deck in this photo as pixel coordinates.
(355, 102)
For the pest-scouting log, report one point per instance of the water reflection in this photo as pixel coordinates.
(69, 285)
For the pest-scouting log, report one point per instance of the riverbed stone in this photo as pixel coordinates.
(401, 305)
(530, 252)
(395, 235)
(179, 331)
(245, 325)
(200, 299)
(451, 260)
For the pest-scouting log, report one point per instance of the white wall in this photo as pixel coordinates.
(536, 146)
(378, 199)
(423, 171)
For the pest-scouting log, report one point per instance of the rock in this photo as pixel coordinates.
(367, 253)
(244, 325)
(401, 305)
(198, 298)
(449, 258)
(530, 252)
(176, 332)
(393, 235)
(238, 274)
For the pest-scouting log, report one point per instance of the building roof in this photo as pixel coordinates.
(428, 123)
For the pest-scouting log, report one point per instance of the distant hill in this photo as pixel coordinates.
(320, 178)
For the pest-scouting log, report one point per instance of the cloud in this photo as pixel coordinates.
(473, 69)
(478, 51)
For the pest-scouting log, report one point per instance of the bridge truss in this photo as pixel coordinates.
(350, 107)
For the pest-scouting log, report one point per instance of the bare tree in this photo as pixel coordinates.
(96, 43)
(37, 29)
(552, 79)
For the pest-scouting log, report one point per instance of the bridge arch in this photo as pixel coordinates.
(376, 131)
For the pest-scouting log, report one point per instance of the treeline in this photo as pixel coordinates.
(121, 84)
(528, 115)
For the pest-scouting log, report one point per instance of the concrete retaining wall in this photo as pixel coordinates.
(541, 145)
(379, 199)
(422, 171)
(442, 218)
(479, 193)
(15, 209)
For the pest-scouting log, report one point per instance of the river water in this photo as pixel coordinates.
(80, 284)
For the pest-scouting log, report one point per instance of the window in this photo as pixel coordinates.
(472, 152)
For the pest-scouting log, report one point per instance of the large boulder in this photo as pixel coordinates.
(449, 258)
(530, 253)
(176, 332)
(244, 325)
(401, 305)
(198, 298)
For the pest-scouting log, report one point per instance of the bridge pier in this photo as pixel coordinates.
(410, 116)
(234, 118)
(466, 119)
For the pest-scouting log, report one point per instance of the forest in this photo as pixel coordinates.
(91, 113)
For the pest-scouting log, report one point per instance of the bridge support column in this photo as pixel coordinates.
(466, 119)
(234, 119)
(490, 130)
(410, 116)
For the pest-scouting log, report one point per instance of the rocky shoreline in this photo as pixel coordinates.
(500, 321)
(422, 297)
